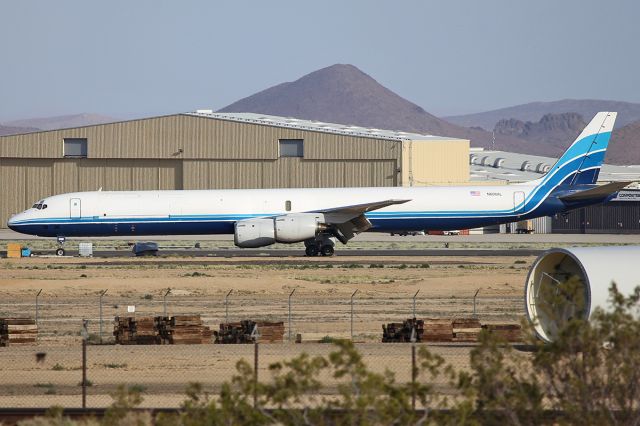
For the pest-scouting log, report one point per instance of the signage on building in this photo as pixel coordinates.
(627, 196)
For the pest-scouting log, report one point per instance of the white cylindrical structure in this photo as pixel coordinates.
(566, 283)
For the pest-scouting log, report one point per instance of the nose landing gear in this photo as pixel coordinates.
(321, 245)
(60, 250)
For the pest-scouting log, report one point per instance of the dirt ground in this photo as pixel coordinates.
(320, 307)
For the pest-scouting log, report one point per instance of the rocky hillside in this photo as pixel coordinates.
(344, 94)
(625, 145)
(627, 112)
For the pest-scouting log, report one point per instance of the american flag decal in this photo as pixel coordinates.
(474, 193)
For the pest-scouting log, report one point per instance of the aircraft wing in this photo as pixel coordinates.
(602, 191)
(347, 221)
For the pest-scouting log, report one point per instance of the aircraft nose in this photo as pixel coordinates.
(14, 220)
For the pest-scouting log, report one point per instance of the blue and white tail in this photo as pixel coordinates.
(581, 162)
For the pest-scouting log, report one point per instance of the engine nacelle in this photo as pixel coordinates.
(296, 227)
(550, 303)
(253, 233)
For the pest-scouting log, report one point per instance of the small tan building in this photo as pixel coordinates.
(206, 150)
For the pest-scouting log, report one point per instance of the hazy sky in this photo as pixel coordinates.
(132, 57)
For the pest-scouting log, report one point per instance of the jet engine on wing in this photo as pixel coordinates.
(291, 228)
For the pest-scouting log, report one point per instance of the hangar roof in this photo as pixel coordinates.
(513, 167)
(317, 126)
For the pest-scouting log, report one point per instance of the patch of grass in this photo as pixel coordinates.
(115, 365)
(425, 266)
(147, 296)
(520, 262)
(196, 274)
(58, 367)
(137, 388)
(376, 265)
(43, 385)
(326, 339)
(88, 382)
(83, 275)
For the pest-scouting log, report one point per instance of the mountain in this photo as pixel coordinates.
(625, 145)
(554, 131)
(63, 121)
(13, 130)
(343, 94)
(627, 112)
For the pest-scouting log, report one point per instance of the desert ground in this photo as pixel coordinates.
(260, 289)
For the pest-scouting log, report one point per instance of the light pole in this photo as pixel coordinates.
(102, 293)
(352, 296)
(38, 307)
(474, 303)
(226, 307)
(164, 301)
(290, 294)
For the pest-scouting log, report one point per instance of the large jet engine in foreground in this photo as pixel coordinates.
(570, 283)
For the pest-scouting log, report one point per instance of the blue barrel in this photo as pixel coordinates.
(26, 252)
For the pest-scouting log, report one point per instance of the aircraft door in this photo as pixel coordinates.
(518, 202)
(75, 208)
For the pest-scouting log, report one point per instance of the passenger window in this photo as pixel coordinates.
(44, 206)
(287, 205)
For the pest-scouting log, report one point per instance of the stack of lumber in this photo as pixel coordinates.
(242, 332)
(183, 330)
(135, 331)
(402, 331)
(466, 329)
(509, 332)
(438, 330)
(18, 331)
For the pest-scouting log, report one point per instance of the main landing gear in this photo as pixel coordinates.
(60, 250)
(320, 245)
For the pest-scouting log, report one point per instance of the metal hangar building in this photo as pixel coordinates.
(207, 150)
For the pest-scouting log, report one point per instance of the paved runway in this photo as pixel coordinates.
(282, 253)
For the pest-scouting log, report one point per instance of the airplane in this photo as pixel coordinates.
(320, 216)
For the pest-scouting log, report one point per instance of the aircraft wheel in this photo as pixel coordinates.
(327, 250)
(311, 251)
(60, 252)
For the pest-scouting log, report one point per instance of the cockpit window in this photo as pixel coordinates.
(35, 206)
(39, 205)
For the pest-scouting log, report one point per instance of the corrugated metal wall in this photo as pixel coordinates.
(618, 217)
(25, 180)
(198, 137)
(287, 173)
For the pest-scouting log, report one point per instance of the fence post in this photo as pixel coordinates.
(38, 306)
(85, 335)
(474, 303)
(164, 301)
(255, 374)
(290, 294)
(352, 296)
(414, 372)
(226, 307)
(414, 303)
(102, 293)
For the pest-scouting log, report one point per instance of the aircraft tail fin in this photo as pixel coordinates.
(581, 162)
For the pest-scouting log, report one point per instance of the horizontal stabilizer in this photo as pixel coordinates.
(602, 191)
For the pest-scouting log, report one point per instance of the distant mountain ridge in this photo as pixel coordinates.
(62, 121)
(14, 130)
(627, 112)
(344, 94)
